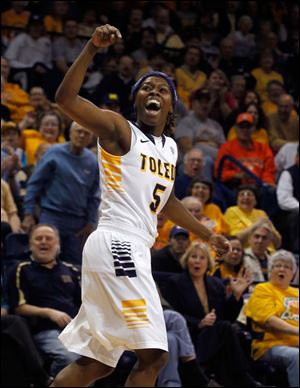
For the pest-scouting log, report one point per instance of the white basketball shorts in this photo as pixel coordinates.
(121, 308)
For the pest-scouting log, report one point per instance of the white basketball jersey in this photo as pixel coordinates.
(136, 186)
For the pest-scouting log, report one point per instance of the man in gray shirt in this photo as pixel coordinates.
(197, 130)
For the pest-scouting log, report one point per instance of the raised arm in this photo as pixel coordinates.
(178, 214)
(111, 128)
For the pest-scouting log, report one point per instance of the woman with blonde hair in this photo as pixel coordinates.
(202, 300)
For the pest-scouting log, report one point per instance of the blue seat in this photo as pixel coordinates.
(16, 246)
(224, 197)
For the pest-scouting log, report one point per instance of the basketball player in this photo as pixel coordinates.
(120, 305)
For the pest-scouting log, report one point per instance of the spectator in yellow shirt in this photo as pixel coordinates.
(16, 16)
(9, 212)
(283, 125)
(50, 131)
(274, 311)
(203, 190)
(265, 73)
(12, 95)
(188, 76)
(244, 216)
(275, 89)
(54, 20)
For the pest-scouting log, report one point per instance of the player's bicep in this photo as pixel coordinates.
(103, 123)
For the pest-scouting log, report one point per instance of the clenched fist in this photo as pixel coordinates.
(219, 244)
(105, 36)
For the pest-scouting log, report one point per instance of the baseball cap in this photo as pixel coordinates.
(244, 117)
(199, 94)
(111, 99)
(177, 230)
(35, 19)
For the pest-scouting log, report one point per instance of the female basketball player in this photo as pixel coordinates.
(120, 305)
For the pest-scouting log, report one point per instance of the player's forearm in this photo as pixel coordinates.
(178, 214)
(71, 84)
(279, 325)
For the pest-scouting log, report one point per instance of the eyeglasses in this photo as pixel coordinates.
(197, 160)
(285, 266)
(246, 194)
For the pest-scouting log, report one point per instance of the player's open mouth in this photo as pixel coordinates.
(152, 107)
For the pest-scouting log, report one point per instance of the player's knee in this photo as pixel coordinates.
(94, 368)
(154, 361)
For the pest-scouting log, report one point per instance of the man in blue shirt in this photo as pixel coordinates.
(65, 184)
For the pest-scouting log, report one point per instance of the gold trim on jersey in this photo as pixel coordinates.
(22, 299)
(112, 170)
(135, 313)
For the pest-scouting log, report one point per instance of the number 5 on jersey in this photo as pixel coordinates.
(156, 197)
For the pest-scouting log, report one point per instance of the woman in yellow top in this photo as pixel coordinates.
(244, 216)
(274, 310)
(259, 133)
(203, 190)
(50, 131)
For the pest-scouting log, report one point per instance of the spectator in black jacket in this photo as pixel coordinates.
(47, 291)
(167, 258)
(201, 299)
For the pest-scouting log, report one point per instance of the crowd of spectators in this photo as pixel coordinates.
(235, 66)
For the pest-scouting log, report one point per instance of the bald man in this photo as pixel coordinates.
(194, 206)
(283, 126)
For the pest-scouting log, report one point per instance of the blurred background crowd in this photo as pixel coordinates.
(235, 66)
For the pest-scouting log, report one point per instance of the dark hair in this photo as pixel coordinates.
(170, 124)
(149, 29)
(232, 237)
(261, 122)
(193, 46)
(275, 82)
(205, 182)
(237, 267)
(70, 19)
(247, 187)
(51, 113)
(254, 92)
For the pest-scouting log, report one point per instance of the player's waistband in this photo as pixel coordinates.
(127, 229)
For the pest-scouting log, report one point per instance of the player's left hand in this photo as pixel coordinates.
(220, 244)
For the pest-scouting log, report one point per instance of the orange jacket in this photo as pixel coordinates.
(259, 159)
